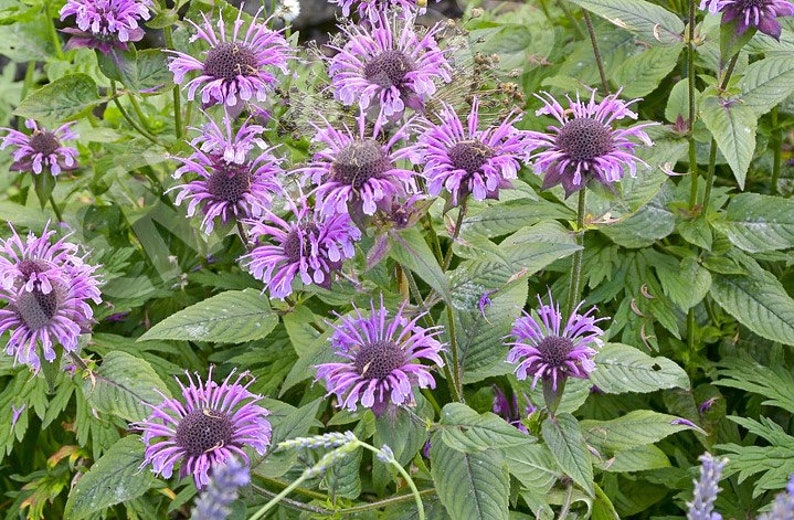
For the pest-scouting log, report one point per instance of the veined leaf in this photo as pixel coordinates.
(652, 22)
(465, 430)
(534, 467)
(759, 223)
(564, 438)
(61, 100)
(622, 368)
(733, 126)
(229, 317)
(410, 250)
(775, 382)
(636, 428)
(767, 82)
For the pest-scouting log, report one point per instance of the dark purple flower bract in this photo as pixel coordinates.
(761, 14)
(105, 24)
(542, 350)
(392, 67)
(463, 159)
(47, 286)
(236, 68)
(42, 149)
(585, 145)
(210, 424)
(358, 170)
(381, 359)
(311, 247)
(231, 183)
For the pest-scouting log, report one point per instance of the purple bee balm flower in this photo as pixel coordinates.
(42, 149)
(372, 9)
(47, 286)
(761, 14)
(585, 145)
(542, 351)
(381, 359)
(463, 159)
(235, 68)
(387, 66)
(358, 172)
(231, 184)
(508, 409)
(210, 425)
(105, 24)
(310, 246)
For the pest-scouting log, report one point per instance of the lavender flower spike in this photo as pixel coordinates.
(706, 489)
(214, 501)
(585, 145)
(462, 159)
(105, 24)
(42, 149)
(380, 359)
(210, 424)
(387, 66)
(543, 351)
(761, 14)
(236, 67)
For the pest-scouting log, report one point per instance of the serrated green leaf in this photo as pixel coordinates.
(602, 507)
(288, 422)
(63, 99)
(122, 385)
(508, 217)
(474, 486)
(639, 458)
(642, 73)
(775, 382)
(343, 479)
(636, 428)
(759, 302)
(651, 223)
(686, 284)
(767, 82)
(652, 22)
(120, 66)
(758, 223)
(466, 430)
(564, 438)
(410, 250)
(534, 467)
(114, 478)
(622, 368)
(733, 126)
(229, 317)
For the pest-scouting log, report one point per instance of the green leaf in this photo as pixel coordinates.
(410, 250)
(639, 458)
(564, 438)
(534, 467)
(465, 430)
(651, 223)
(622, 368)
(474, 486)
(114, 478)
(759, 223)
(44, 183)
(288, 422)
(66, 98)
(651, 22)
(510, 216)
(229, 317)
(760, 303)
(602, 507)
(120, 66)
(642, 73)
(636, 428)
(733, 126)
(686, 283)
(767, 82)
(122, 385)
(775, 382)
(343, 479)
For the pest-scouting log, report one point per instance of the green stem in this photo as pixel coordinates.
(596, 52)
(137, 108)
(693, 165)
(420, 508)
(457, 383)
(572, 19)
(176, 94)
(776, 144)
(294, 503)
(56, 40)
(566, 506)
(383, 503)
(710, 175)
(243, 234)
(434, 242)
(690, 333)
(455, 233)
(56, 209)
(30, 73)
(574, 290)
(276, 499)
(127, 117)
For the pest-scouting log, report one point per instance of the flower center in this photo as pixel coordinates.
(554, 350)
(203, 430)
(388, 69)
(36, 308)
(28, 267)
(229, 182)
(362, 160)
(378, 360)
(296, 245)
(470, 155)
(229, 60)
(584, 139)
(44, 143)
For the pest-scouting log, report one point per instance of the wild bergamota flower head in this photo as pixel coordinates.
(42, 149)
(105, 24)
(761, 14)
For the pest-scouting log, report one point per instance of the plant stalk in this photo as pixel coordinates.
(574, 291)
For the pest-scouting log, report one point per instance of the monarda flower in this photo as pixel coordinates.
(381, 359)
(462, 159)
(373, 9)
(105, 24)
(206, 428)
(308, 246)
(47, 286)
(236, 68)
(233, 183)
(42, 149)
(356, 172)
(542, 350)
(761, 14)
(387, 64)
(585, 145)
